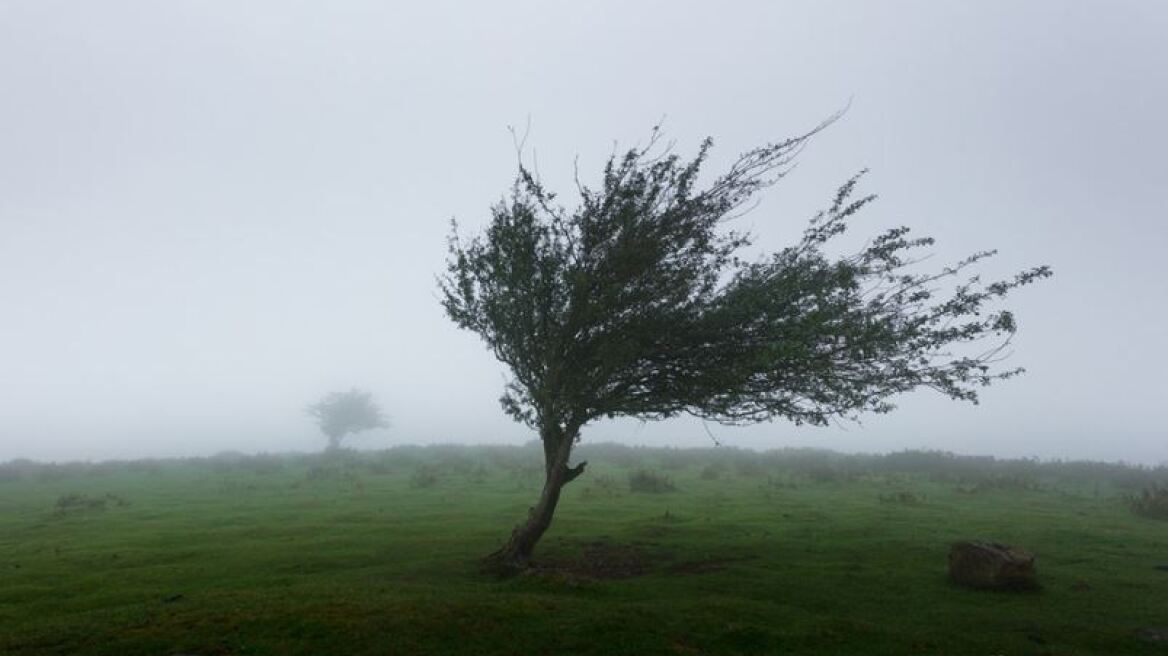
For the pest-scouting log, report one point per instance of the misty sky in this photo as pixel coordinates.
(212, 213)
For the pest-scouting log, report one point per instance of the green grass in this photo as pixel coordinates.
(302, 555)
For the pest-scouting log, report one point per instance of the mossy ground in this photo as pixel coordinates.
(359, 554)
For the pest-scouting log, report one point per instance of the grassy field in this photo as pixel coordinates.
(790, 552)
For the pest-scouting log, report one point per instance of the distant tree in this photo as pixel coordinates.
(341, 413)
(636, 303)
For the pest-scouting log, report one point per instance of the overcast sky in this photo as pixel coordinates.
(212, 213)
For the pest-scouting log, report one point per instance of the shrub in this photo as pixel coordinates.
(260, 465)
(904, 497)
(823, 474)
(644, 480)
(1151, 502)
(747, 465)
(601, 484)
(712, 471)
(1010, 482)
(74, 501)
(16, 470)
(424, 476)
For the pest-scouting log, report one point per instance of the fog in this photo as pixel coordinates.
(213, 213)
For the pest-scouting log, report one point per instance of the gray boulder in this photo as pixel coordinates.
(991, 566)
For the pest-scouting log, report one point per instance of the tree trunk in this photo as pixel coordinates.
(515, 555)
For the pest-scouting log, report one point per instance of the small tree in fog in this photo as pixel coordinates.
(636, 303)
(341, 413)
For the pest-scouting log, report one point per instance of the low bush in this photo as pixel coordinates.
(748, 467)
(600, 484)
(1008, 482)
(424, 476)
(72, 502)
(16, 470)
(1151, 502)
(823, 474)
(713, 471)
(264, 464)
(903, 497)
(644, 480)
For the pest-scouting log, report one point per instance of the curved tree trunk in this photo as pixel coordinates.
(515, 555)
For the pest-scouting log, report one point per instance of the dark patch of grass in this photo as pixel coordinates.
(780, 483)
(73, 502)
(599, 560)
(904, 497)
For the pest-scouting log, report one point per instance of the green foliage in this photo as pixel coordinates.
(636, 302)
(712, 471)
(644, 480)
(1151, 502)
(1011, 482)
(341, 413)
(74, 502)
(601, 485)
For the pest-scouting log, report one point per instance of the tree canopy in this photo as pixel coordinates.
(341, 413)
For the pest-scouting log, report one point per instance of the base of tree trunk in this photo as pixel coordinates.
(514, 557)
(504, 566)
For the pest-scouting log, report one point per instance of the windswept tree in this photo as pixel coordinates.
(341, 413)
(636, 303)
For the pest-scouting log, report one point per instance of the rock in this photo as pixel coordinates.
(990, 565)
